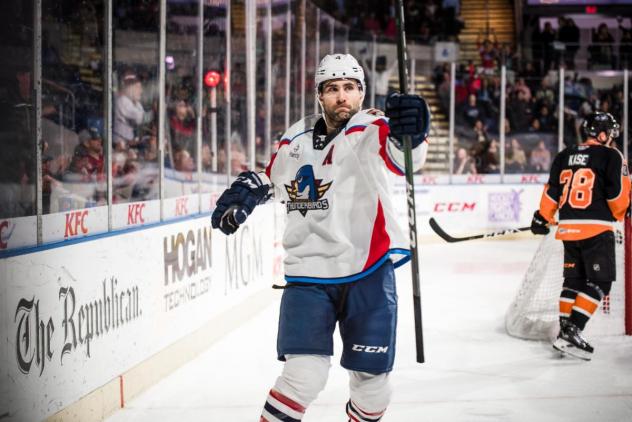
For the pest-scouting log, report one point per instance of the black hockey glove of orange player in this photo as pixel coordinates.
(238, 201)
(408, 115)
(539, 225)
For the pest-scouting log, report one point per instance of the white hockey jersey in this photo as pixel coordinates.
(341, 224)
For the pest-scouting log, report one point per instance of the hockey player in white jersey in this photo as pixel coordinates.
(342, 239)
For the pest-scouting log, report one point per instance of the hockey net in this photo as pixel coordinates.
(534, 312)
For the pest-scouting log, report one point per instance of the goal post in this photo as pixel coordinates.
(534, 311)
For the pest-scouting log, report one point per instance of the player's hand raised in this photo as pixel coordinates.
(408, 115)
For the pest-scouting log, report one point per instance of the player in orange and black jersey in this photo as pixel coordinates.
(590, 187)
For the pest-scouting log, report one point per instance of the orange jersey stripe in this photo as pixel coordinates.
(548, 206)
(620, 204)
(580, 231)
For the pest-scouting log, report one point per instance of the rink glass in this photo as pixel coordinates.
(17, 127)
(59, 85)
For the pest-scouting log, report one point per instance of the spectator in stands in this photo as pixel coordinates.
(125, 186)
(129, 113)
(207, 158)
(455, 5)
(546, 119)
(516, 159)
(150, 142)
(583, 87)
(450, 24)
(625, 45)
(534, 34)
(472, 111)
(88, 157)
(604, 105)
(545, 93)
(507, 127)
(519, 112)
(380, 79)
(568, 33)
(535, 125)
(425, 34)
(530, 75)
(390, 29)
(547, 38)
(540, 159)
(119, 157)
(485, 156)
(484, 96)
(601, 48)
(471, 69)
(480, 132)
(508, 57)
(521, 85)
(237, 156)
(463, 163)
(443, 90)
(488, 50)
(474, 82)
(183, 161)
(371, 23)
(182, 125)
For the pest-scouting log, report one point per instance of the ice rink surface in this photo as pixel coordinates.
(473, 372)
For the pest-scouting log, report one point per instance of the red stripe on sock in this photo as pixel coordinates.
(353, 418)
(287, 401)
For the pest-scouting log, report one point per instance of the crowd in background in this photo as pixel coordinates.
(531, 122)
(551, 47)
(425, 22)
(72, 106)
(532, 99)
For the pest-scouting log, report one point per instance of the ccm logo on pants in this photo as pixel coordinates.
(369, 349)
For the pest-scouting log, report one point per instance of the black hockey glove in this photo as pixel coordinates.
(238, 201)
(408, 115)
(539, 225)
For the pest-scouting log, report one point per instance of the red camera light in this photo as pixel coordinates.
(212, 78)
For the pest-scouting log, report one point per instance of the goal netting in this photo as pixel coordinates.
(534, 312)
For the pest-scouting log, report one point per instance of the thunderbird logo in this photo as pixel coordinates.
(306, 191)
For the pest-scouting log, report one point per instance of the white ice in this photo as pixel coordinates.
(473, 370)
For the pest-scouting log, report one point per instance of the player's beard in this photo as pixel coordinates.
(337, 117)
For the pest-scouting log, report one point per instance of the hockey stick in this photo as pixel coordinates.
(437, 229)
(410, 190)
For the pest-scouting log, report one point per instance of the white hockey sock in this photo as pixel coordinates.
(370, 396)
(303, 377)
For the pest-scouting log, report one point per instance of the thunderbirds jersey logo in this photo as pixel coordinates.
(305, 192)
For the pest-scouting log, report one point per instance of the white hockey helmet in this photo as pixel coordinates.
(338, 66)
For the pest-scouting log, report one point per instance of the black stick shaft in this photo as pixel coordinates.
(451, 239)
(410, 189)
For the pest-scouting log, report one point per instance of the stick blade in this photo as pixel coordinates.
(439, 231)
